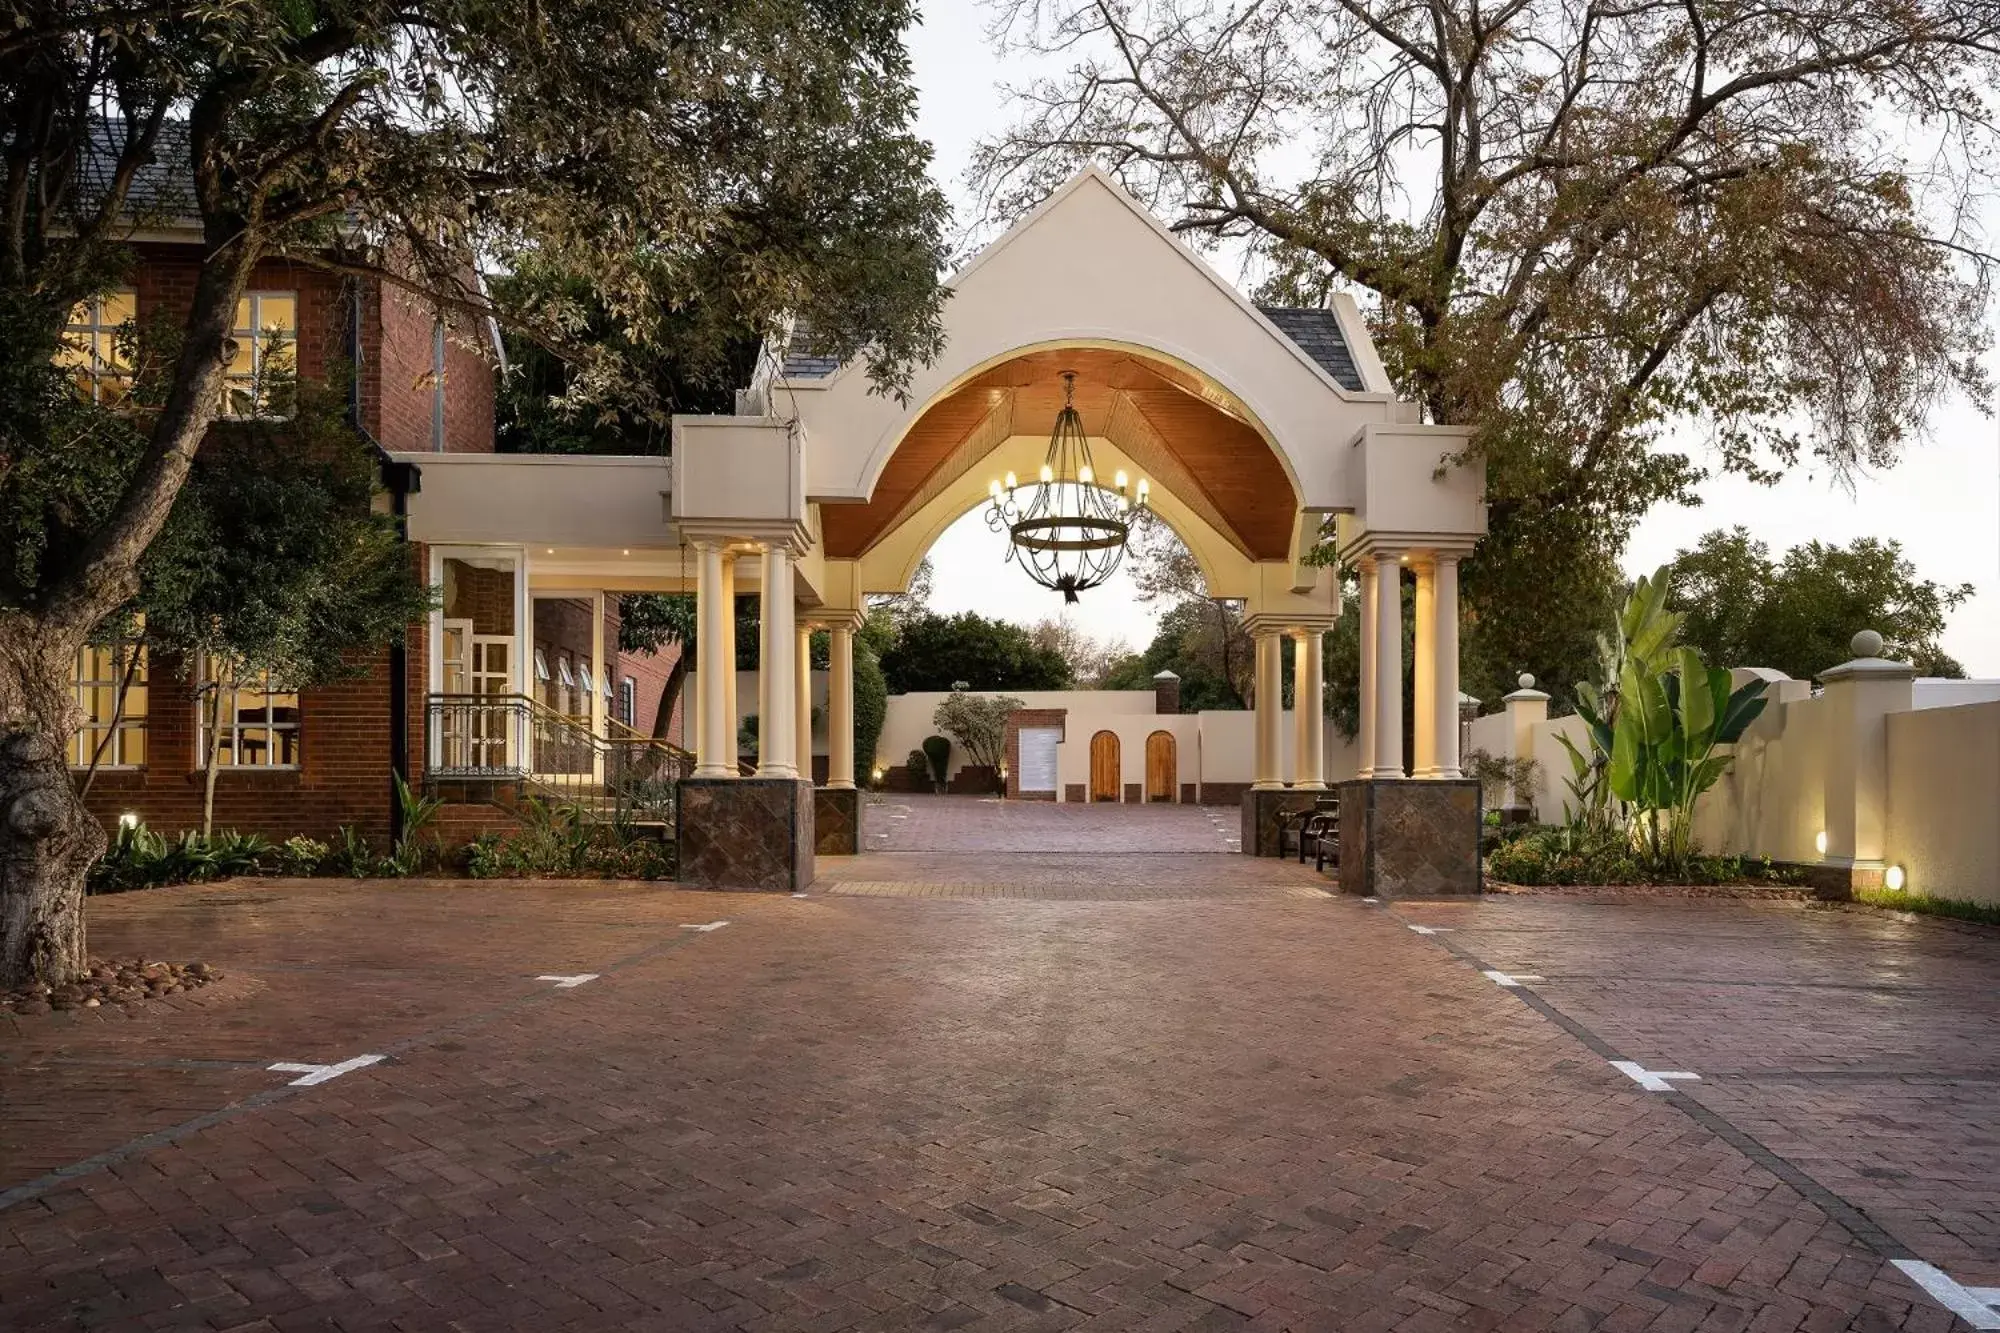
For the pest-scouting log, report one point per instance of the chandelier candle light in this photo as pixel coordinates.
(1070, 534)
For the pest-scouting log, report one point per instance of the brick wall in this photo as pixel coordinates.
(342, 776)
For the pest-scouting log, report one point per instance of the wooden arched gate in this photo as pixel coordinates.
(1163, 780)
(1104, 784)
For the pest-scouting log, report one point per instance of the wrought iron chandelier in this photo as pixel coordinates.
(1070, 533)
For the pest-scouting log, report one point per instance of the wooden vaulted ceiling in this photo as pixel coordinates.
(1188, 437)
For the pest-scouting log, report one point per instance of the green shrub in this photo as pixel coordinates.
(559, 841)
(300, 855)
(937, 756)
(139, 858)
(1537, 855)
(871, 709)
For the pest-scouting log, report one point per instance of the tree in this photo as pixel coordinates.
(1090, 659)
(871, 708)
(275, 568)
(1209, 629)
(892, 610)
(1743, 608)
(978, 722)
(1575, 227)
(934, 652)
(651, 622)
(1197, 645)
(759, 159)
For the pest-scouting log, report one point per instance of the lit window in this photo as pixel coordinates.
(258, 723)
(263, 356)
(584, 681)
(628, 701)
(111, 736)
(541, 665)
(562, 669)
(96, 349)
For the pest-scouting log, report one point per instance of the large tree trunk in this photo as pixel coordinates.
(48, 841)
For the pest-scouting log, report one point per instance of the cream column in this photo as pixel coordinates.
(840, 710)
(1423, 710)
(1309, 711)
(1388, 667)
(710, 645)
(802, 690)
(731, 715)
(1446, 611)
(1270, 713)
(777, 681)
(600, 676)
(1365, 740)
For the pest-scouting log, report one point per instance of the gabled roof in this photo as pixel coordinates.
(1317, 333)
(161, 189)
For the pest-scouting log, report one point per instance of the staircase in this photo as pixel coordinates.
(504, 749)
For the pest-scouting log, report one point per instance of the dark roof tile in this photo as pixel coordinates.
(1318, 335)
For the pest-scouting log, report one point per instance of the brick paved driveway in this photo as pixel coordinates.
(1240, 1104)
(898, 822)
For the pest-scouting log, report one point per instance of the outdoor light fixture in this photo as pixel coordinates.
(1070, 531)
(1819, 842)
(128, 820)
(1892, 879)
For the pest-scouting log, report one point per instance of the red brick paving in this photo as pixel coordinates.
(1238, 1108)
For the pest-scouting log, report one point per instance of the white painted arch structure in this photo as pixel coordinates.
(1254, 425)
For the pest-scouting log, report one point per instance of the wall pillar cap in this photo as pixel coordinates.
(1526, 694)
(1868, 663)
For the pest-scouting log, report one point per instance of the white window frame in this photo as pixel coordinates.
(95, 368)
(90, 732)
(236, 726)
(252, 337)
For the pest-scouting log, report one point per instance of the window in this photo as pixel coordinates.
(258, 721)
(263, 360)
(96, 350)
(113, 737)
(628, 702)
(541, 666)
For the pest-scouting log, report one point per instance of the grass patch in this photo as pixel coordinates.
(1960, 909)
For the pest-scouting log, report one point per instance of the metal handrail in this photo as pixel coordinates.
(520, 739)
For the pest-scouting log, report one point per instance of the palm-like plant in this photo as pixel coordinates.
(1645, 635)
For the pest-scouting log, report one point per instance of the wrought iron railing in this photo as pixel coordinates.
(625, 777)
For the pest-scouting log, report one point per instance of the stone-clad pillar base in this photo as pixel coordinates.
(837, 820)
(752, 834)
(1409, 838)
(1261, 808)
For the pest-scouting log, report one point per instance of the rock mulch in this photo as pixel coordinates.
(123, 982)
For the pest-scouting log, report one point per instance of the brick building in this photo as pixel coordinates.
(311, 761)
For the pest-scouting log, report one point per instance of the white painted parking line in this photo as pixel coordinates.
(709, 925)
(1371, 900)
(1977, 1306)
(798, 895)
(1431, 930)
(1652, 1080)
(316, 1074)
(1499, 978)
(570, 983)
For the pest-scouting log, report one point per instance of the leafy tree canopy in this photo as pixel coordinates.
(1797, 613)
(934, 652)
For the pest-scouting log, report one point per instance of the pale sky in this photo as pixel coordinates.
(1942, 502)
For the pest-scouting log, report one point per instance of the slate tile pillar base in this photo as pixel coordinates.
(837, 820)
(1261, 808)
(1406, 838)
(751, 834)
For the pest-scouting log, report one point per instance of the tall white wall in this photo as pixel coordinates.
(1944, 800)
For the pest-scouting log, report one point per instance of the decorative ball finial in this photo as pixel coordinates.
(1866, 644)
(1527, 680)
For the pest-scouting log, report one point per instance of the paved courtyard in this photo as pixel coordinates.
(989, 1090)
